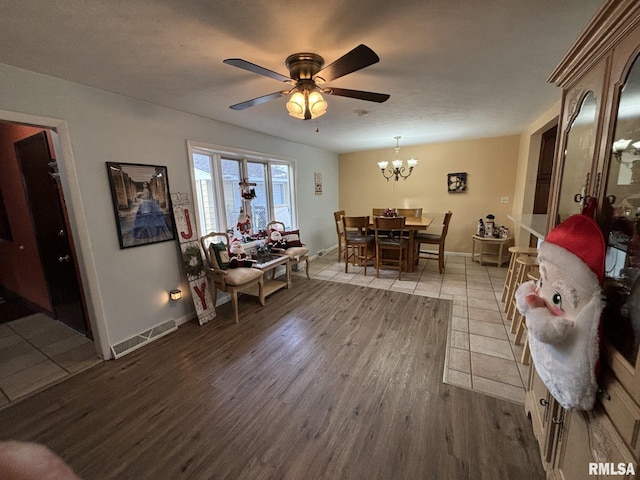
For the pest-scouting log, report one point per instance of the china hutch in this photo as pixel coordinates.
(598, 157)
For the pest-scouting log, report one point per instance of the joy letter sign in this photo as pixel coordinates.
(192, 257)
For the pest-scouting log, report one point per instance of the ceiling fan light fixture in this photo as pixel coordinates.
(307, 72)
(296, 105)
(317, 105)
(305, 105)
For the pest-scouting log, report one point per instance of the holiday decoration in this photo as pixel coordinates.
(246, 191)
(489, 225)
(244, 223)
(276, 241)
(238, 257)
(192, 257)
(563, 311)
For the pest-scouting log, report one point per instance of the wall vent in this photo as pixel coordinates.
(137, 341)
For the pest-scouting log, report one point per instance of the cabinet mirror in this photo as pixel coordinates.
(621, 222)
(578, 158)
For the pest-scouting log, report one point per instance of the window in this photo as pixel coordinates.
(218, 196)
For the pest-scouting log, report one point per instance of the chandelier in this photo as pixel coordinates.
(623, 145)
(398, 169)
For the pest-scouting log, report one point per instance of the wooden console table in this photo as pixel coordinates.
(271, 284)
(483, 256)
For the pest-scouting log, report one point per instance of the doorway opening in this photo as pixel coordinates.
(543, 176)
(47, 334)
(39, 260)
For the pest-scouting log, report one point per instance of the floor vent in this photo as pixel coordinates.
(137, 341)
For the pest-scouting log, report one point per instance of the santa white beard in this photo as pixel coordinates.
(565, 352)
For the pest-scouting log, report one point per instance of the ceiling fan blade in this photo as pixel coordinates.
(252, 67)
(359, 94)
(360, 57)
(257, 101)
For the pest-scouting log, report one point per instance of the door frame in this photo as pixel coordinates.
(61, 139)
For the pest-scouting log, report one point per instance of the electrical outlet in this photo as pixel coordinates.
(504, 200)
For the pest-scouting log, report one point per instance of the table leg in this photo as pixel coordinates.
(473, 249)
(410, 253)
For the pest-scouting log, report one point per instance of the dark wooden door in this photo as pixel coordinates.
(46, 202)
(543, 178)
(545, 169)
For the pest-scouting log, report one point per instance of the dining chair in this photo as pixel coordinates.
(380, 212)
(394, 242)
(360, 245)
(296, 250)
(342, 248)
(221, 276)
(409, 212)
(433, 239)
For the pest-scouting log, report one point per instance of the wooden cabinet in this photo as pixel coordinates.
(572, 441)
(598, 156)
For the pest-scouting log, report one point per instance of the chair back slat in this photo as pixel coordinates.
(377, 212)
(356, 223)
(409, 212)
(389, 223)
(337, 216)
(275, 225)
(445, 223)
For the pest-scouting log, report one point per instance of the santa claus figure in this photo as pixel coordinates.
(238, 257)
(563, 311)
(244, 223)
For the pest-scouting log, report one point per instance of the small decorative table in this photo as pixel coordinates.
(480, 254)
(271, 284)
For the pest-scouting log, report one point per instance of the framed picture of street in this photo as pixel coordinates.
(141, 203)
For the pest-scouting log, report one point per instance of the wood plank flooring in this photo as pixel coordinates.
(327, 381)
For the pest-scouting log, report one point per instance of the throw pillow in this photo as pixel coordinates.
(292, 238)
(219, 251)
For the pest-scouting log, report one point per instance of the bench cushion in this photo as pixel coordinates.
(296, 252)
(242, 275)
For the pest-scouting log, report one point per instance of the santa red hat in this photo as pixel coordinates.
(581, 236)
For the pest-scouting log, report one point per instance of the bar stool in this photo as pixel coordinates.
(522, 326)
(509, 283)
(524, 265)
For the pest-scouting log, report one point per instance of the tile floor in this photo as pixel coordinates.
(481, 355)
(36, 351)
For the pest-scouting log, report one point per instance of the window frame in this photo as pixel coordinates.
(219, 152)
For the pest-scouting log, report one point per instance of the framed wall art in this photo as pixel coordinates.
(317, 182)
(141, 203)
(457, 182)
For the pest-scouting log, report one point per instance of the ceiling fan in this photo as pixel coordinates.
(307, 75)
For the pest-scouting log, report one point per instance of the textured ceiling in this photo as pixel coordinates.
(455, 69)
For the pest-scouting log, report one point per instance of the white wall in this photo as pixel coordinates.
(127, 289)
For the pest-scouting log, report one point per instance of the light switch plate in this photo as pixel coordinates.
(504, 200)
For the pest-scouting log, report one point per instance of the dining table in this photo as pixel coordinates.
(413, 225)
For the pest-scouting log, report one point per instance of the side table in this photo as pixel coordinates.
(480, 254)
(271, 284)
